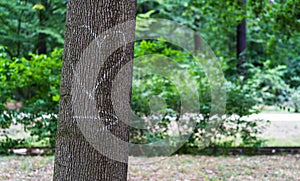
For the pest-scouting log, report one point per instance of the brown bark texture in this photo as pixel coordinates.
(90, 35)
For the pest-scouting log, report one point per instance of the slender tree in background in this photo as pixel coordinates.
(75, 157)
(241, 44)
(197, 42)
(42, 37)
(31, 26)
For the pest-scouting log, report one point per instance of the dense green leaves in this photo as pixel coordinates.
(23, 22)
(34, 82)
(240, 100)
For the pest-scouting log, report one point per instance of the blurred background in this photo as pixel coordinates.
(256, 42)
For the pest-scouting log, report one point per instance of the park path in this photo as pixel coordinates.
(277, 116)
(284, 128)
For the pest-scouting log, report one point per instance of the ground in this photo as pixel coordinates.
(284, 128)
(283, 131)
(178, 167)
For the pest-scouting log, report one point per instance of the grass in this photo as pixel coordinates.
(26, 168)
(276, 109)
(178, 167)
(283, 142)
(221, 168)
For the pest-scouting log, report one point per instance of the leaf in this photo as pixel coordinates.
(55, 98)
(39, 7)
(146, 15)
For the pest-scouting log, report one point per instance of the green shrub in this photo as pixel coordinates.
(34, 82)
(295, 99)
(7, 143)
(269, 83)
(292, 75)
(240, 102)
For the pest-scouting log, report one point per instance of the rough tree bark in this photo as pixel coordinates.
(75, 157)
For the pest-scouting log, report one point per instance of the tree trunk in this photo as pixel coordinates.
(197, 43)
(42, 37)
(94, 58)
(241, 45)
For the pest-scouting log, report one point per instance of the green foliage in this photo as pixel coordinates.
(24, 21)
(240, 102)
(295, 99)
(42, 74)
(269, 84)
(272, 29)
(233, 129)
(272, 34)
(35, 83)
(8, 143)
(292, 75)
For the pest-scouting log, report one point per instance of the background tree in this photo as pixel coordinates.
(31, 26)
(241, 43)
(76, 158)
